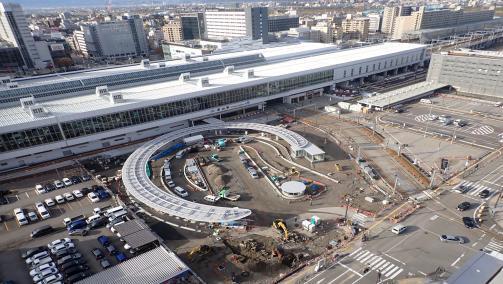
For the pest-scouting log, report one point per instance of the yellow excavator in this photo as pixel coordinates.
(279, 224)
(199, 251)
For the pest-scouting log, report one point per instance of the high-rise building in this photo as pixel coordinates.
(113, 39)
(193, 26)
(173, 31)
(356, 27)
(374, 22)
(431, 19)
(14, 29)
(390, 15)
(249, 22)
(282, 23)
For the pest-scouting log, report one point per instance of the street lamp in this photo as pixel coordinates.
(348, 199)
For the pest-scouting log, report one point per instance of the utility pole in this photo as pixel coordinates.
(432, 178)
(348, 200)
(394, 186)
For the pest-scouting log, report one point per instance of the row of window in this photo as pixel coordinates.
(387, 64)
(78, 128)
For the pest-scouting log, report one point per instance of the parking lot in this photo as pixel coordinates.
(16, 239)
(480, 131)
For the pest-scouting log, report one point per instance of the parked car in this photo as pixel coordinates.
(98, 254)
(98, 223)
(32, 216)
(59, 199)
(68, 258)
(103, 240)
(53, 279)
(93, 197)
(76, 179)
(39, 255)
(49, 202)
(49, 187)
(469, 222)
(42, 211)
(464, 206)
(40, 189)
(76, 269)
(72, 264)
(120, 256)
(45, 273)
(86, 178)
(79, 224)
(58, 242)
(37, 270)
(462, 189)
(60, 247)
(111, 249)
(67, 182)
(65, 252)
(85, 190)
(40, 261)
(69, 196)
(77, 277)
(105, 263)
(33, 251)
(58, 184)
(445, 238)
(78, 193)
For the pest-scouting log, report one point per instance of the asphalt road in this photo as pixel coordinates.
(418, 251)
(480, 131)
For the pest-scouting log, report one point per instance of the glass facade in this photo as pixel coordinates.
(82, 127)
(29, 138)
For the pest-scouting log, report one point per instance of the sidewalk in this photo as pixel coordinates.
(497, 212)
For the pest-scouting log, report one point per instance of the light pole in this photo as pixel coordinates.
(348, 200)
(394, 186)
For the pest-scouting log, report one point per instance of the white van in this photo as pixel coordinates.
(20, 217)
(167, 174)
(398, 229)
(116, 215)
(426, 101)
(113, 210)
(39, 189)
(212, 198)
(180, 191)
(42, 211)
(92, 218)
(180, 154)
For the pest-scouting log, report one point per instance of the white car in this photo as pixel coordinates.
(39, 189)
(59, 199)
(61, 247)
(49, 202)
(35, 271)
(59, 184)
(39, 255)
(171, 184)
(69, 196)
(53, 279)
(40, 261)
(67, 181)
(58, 242)
(78, 193)
(45, 273)
(93, 197)
(42, 211)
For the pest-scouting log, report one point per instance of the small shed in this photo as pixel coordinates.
(293, 188)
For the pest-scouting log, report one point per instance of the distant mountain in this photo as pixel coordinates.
(40, 4)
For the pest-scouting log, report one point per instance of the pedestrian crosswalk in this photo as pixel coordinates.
(483, 130)
(472, 188)
(425, 117)
(359, 218)
(376, 263)
(494, 245)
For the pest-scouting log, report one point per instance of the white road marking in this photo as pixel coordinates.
(350, 269)
(375, 261)
(474, 244)
(357, 250)
(362, 255)
(395, 259)
(388, 274)
(396, 273)
(379, 264)
(458, 259)
(321, 280)
(27, 195)
(434, 217)
(424, 274)
(492, 227)
(335, 279)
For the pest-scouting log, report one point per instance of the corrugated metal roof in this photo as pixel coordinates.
(481, 268)
(139, 238)
(130, 227)
(153, 267)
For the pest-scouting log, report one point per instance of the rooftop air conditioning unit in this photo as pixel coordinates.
(5, 80)
(115, 98)
(37, 111)
(145, 63)
(12, 85)
(205, 58)
(102, 91)
(186, 57)
(162, 64)
(27, 102)
(229, 70)
(184, 77)
(250, 73)
(203, 82)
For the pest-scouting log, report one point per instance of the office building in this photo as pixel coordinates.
(14, 29)
(193, 26)
(473, 72)
(121, 38)
(51, 117)
(172, 31)
(429, 19)
(282, 23)
(250, 22)
(356, 27)
(11, 60)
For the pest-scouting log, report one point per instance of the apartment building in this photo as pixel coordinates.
(356, 27)
(173, 31)
(234, 23)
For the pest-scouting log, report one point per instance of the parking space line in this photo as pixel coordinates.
(27, 195)
(335, 279)
(71, 208)
(6, 227)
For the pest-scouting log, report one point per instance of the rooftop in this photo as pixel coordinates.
(481, 268)
(158, 93)
(152, 267)
(477, 53)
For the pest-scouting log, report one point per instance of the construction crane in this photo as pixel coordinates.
(279, 224)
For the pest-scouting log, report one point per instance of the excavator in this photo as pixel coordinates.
(279, 224)
(199, 251)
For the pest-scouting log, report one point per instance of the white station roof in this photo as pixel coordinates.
(293, 187)
(143, 189)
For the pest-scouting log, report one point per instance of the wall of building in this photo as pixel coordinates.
(225, 24)
(468, 74)
(282, 23)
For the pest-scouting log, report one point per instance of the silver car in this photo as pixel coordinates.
(450, 238)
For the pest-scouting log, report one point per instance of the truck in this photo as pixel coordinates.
(68, 220)
(193, 140)
(225, 194)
